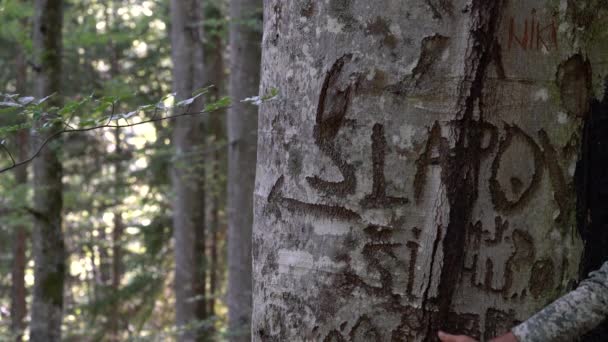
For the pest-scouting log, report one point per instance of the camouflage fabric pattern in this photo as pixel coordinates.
(572, 315)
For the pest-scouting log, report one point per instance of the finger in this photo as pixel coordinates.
(447, 337)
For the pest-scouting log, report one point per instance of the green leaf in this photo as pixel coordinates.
(271, 94)
(219, 104)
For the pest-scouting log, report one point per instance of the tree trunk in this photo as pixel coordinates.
(48, 244)
(117, 237)
(213, 259)
(105, 265)
(188, 184)
(242, 136)
(115, 317)
(215, 75)
(18, 290)
(416, 172)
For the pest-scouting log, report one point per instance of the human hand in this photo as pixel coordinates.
(509, 337)
(444, 337)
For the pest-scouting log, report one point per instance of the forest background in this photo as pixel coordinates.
(116, 256)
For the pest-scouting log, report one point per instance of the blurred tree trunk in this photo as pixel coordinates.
(48, 243)
(18, 290)
(117, 233)
(245, 38)
(416, 172)
(215, 76)
(187, 175)
(105, 265)
(115, 317)
(214, 182)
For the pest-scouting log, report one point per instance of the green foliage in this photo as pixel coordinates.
(14, 15)
(116, 72)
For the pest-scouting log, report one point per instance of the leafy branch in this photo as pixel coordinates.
(64, 116)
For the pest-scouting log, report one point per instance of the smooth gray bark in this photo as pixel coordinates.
(416, 172)
(48, 243)
(187, 176)
(245, 41)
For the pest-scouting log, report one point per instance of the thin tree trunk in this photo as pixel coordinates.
(18, 294)
(245, 40)
(18, 290)
(188, 186)
(105, 265)
(215, 76)
(48, 243)
(213, 267)
(115, 320)
(416, 172)
(117, 233)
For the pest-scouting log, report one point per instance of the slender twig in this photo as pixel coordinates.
(87, 129)
(9, 154)
(69, 120)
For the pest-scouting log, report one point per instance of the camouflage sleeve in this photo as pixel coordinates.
(572, 315)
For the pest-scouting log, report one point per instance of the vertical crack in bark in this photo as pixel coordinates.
(461, 174)
(425, 295)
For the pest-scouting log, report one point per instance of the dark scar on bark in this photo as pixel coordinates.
(410, 323)
(498, 196)
(500, 227)
(560, 189)
(492, 132)
(461, 174)
(574, 79)
(522, 256)
(321, 210)
(334, 336)
(378, 197)
(431, 50)
(487, 282)
(380, 244)
(439, 6)
(516, 185)
(416, 231)
(473, 270)
(498, 322)
(308, 8)
(474, 235)
(381, 27)
(278, 11)
(342, 10)
(378, 233)
(334, 100)
(425, 295)
(541, 277)
(427, 159)
(364, 330)
(413, 247)
(464, 323)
